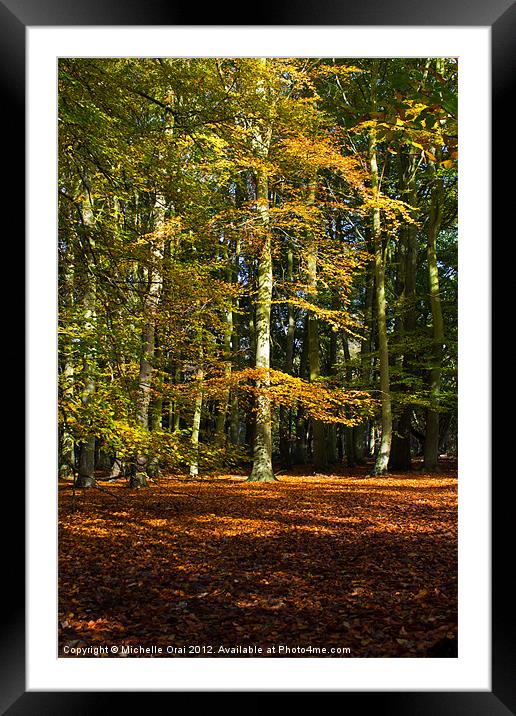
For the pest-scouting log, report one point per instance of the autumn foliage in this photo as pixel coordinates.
(321, 560)
(257, 318)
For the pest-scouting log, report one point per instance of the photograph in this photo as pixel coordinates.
(257, 418)
(259, 315)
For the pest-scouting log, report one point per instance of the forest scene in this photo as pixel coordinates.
(257, 333)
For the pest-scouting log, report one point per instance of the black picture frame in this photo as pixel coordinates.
(15, 17)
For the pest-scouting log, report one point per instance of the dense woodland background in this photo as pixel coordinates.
(257, 265)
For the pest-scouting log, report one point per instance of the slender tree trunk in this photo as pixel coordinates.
(196, 423)
(156, 404)
(314, 367)
(66, 441)
(318, 431)
(262, 449)
(431, 447)
(349, 429)
(250, 417)
(331, 430)
(382, 459)
(159, 256)
(286, 413)
(301, 449)
(361, 432)
(224, 404)
(86, 476)
(400, 458)
(155, 279)
(234, 418)
(174, 416)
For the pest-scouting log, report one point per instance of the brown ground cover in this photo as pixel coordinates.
(329, 561)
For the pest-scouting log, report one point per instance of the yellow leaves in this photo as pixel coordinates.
(336, 318)
(331, 404)
(417, 145)
(296, 217)
(416, 124)
(293, 74)
(338, 268)
(339, 72)
(414, 109)
(305, 152)
(167, 229)
(395, 212)
(321, 400)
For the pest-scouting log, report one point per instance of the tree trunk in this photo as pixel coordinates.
(361, 432)
(331, 430)
(286, 413)
(349, 429)
(234, 418)
(382, 459)
(86, 476)
(66, 440)
(314, 367)
(431, 447)
(155, 278)
(262, 448)
(400, 458)
(224, 405)
(156, 404)
(196, 423)
(300, 447)
(250, 416)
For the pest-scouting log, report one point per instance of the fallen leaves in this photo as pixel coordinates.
(326, 560)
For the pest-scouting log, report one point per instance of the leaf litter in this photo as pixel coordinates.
(328, 561)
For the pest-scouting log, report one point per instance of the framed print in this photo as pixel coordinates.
(44, 44)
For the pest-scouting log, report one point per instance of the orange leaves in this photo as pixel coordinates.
(322, 402)
(168, 229)
(337, 318)
(219, 562)
(308, 155)
(296, 216)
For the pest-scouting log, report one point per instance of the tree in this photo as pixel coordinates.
(261, 138)
(257, 261)
(382, 459)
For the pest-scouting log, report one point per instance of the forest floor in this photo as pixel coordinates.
(198, 567)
